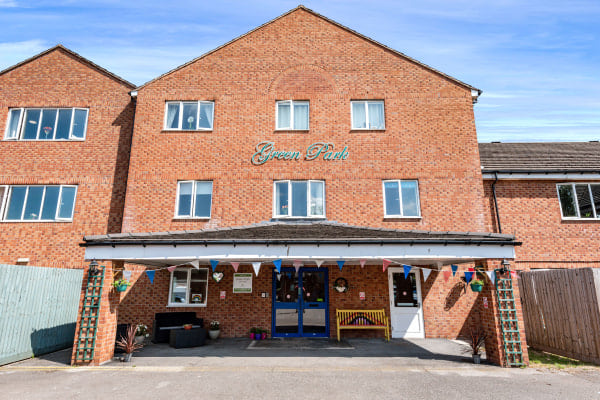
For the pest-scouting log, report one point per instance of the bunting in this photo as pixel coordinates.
(297, 264)
(362, 263)
(127, 275)
(447, 275)
(469, 276)
(277, 264)
(407, 269)
(454, 268)
(213, 264)
(319, 263)
(172, 268)
(151, 275)
(340, 264)
(256, 267)
(426, 273)
(385, 264)
(492, 276)
(513, 274)
(235, 265)
(196, 264)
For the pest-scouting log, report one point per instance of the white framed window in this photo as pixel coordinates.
(292, 115)
(367, 114)
(37, 203)
(188, 287)
(299, 199)
(46, 124)
(189, 115)
(401, 199)
(579, 200)
(194, 199)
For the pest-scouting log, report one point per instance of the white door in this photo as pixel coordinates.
(406, 310)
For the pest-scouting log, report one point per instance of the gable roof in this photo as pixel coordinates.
(301, 7)
(540, 157)
(319, 232)
(80, 58)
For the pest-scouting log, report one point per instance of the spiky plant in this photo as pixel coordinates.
(477, 339)
(127, 343)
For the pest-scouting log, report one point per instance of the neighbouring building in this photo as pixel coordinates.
(299, 169)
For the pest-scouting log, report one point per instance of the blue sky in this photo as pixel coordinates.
(537, 61)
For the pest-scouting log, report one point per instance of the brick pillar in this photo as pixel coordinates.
(490, 319)
(107, 321)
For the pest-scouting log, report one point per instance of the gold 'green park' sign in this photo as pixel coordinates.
(265, 151)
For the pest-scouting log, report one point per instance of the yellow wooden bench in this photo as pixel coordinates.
(362, 319)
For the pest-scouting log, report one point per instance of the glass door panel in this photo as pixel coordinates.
(314, 313)
(285, 303)
(405, 290)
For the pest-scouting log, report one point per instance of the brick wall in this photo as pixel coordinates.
(98, 165)
(531, 211)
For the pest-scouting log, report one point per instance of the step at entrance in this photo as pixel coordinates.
(90, 313)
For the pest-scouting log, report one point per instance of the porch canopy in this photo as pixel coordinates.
(304, 241)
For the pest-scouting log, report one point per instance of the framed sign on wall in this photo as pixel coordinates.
(242, 283)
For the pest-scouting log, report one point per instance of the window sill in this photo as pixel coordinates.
(292, 130)
(390, 217)
(185, 305)
(34, 222)
(185, 130)
(356, 130)
(575, 219)
(191, 218)
(275, 218)
(43, 141)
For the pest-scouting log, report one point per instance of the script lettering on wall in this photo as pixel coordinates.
(266, 151)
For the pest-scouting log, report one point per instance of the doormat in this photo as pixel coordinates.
(300, 344)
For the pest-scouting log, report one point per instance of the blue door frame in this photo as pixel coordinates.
(301, 305)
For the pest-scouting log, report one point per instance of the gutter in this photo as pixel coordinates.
(284, 242)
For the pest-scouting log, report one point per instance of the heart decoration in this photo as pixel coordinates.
(217, 276)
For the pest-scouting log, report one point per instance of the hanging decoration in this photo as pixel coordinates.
(407, 269)
(151, 275)
(213, 264)
(172, 268)
(454, 268)
(385, 264)
(235, 265)
(256, 266)
(469, 275)
(319, 263)
(277, 264)
(426, 273)
(362, 263)
(447, 275)
(492, 276)
(196, 264)
(217, 276)
(297, 264)
(341, 285)
(340, 264)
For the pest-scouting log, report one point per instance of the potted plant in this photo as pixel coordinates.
(214, 330)
(477, 342)
(121, 285)
(253, 332)
(187, 327)
(127, 343)
(141, 333)
(258, 334)
(477, 285)
(264, 333)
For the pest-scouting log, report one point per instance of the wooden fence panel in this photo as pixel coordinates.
(561, 310)
(38, 310)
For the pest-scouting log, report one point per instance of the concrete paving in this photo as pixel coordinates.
(223, 369)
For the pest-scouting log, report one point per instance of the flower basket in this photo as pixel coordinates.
(477, 286)
(121, 288)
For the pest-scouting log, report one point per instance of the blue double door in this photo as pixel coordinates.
(300, 303)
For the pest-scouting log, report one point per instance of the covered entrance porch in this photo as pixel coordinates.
(311, 259)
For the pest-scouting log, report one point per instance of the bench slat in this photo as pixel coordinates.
(362, 319)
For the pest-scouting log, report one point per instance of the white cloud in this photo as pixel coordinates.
(12, 53)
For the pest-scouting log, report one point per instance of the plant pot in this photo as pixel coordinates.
(140, 339)
(476, 358)
(476, 288)
(121, 288)
(127, 357)
(263, 335)
(187, 327)
(214, 334)
(252, 336)
(257, 336)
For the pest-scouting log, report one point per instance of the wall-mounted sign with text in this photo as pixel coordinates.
(266, 151)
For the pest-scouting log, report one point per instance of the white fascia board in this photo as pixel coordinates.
(427, 254)
(537, 176)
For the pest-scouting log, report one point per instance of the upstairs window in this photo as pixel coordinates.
(194, 199)
(46, 124)
(37, 203)
(292, 115)
(189, 115)
(299, 199)
(579, 200)
(401, 199)
(367, 114)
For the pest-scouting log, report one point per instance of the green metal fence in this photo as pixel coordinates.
(38, 310)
